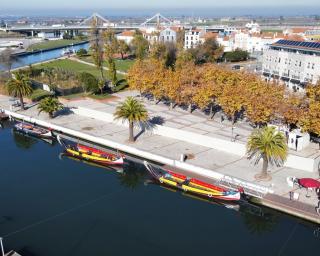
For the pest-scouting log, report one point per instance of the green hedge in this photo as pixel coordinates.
(121, 85)
(39, 94)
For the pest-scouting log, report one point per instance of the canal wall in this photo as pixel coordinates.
(249, 188)
(235, 148)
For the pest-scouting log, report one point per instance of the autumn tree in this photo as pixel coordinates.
(311, 120)
(189, 78)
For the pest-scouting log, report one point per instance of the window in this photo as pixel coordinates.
(308, 65)
(279, 59)
(300, 64)
(312, 65)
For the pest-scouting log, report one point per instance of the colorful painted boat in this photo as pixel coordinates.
(33, 130)
(94, 151)
(101, 159)
(192, 185)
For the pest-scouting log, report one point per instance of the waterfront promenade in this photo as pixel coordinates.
(232, 165)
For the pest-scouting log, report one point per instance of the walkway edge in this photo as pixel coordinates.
(249, 187)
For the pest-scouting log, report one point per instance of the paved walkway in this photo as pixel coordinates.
(208, 158)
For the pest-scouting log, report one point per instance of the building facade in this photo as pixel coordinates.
(192, 38)
(293, 63)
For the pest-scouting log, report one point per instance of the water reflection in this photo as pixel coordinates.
(23, 141)
(134, 175)
(258, 220)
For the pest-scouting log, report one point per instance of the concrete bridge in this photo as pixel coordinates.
(103, 24)
(86, 25)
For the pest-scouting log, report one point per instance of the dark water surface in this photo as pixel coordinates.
(56, 207)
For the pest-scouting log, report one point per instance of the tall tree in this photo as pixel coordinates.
(96, 47)
(111, 47)
(133, 112)
(123, 48)
(269, 145)
(19, 86)
(140, 46)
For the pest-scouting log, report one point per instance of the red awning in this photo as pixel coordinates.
(309, 183)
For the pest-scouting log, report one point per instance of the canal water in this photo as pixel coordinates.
(56, 206)
(32, 58)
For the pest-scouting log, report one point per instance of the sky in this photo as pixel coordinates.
(90, 4)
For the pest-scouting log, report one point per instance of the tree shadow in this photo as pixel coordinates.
(66, 111)
(149, 126)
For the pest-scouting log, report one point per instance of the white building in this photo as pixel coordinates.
(168, 35)
(192, 38)
(294, 63)
(164, 35)
(253, 27)
(126, 36)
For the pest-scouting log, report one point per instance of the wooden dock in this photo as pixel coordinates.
(292, 207)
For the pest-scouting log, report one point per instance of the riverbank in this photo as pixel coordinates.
(208, 163)
(46, 47)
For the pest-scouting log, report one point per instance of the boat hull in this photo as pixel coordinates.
(93, 158)
(32, 130)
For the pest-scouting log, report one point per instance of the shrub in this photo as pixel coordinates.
(122, 84)
(89, 82)
(39, 94)
(82, 52)
(236, 55)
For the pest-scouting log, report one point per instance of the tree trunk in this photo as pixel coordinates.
(211, 111)
(264, 172)
(21, 102)
(122, 55)
(131, 138)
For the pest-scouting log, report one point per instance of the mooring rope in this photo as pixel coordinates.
(61, 214)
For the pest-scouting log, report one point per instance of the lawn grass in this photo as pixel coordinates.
(122, 65)
(77, 67)
(52, 44)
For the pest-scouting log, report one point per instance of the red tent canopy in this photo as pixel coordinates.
(309, 183)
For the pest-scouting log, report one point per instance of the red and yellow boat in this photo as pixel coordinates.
(195, 186)
(94, 155)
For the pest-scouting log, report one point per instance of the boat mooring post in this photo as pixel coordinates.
(2, 251)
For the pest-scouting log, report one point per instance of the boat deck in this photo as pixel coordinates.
(296, 208)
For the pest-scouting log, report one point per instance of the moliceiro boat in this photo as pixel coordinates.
(192, 185)
(94, 155)
(33, 130)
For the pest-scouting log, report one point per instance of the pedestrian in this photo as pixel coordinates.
(296, 144)
(222, 118)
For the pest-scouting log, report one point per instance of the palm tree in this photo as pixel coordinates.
(133, 111)
(49, 105)
(269, 145)
(19, 86)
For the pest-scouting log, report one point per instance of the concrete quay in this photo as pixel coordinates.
(206, 162)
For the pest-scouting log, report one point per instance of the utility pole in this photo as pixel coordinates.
(2, 251)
